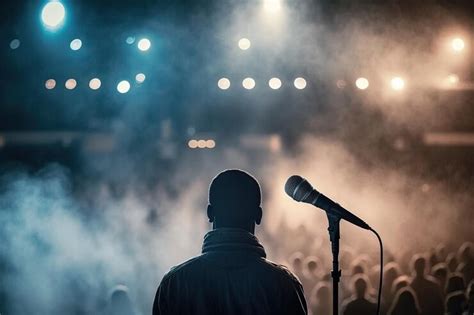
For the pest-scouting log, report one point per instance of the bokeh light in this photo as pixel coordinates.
(223, 83)
(248, 83)
(95, 84)
(272, 6)
(140, 78)
(144, 44)
(300, 83)
(76, 44)
(362, 83)
(14, 44)
(274, 83)
(123, 86)
(244, 43)
(70, 84)
(193, 144)
(130, 40)
(211, 144)
(201, 144)
(50, 84)
(397, 83)
(457, 44)
(53, 14)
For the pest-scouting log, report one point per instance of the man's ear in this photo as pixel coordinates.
(258, 215)
(210, 213)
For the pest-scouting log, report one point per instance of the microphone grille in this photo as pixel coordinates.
(297, 187)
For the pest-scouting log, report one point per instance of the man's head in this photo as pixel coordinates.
(419, 265)
(234, 201)
(360, 283)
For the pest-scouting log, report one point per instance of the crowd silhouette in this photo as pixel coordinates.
(436, 282)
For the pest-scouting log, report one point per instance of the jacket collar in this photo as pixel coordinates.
(232, 239)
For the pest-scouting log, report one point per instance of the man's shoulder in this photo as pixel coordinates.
(281, 271)
(183, 267)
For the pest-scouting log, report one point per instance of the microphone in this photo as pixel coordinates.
(300, 190)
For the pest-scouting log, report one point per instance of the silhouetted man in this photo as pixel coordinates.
(427, 289)
(360, 303)
(231, 276)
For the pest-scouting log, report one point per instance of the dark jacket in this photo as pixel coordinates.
(231, 276)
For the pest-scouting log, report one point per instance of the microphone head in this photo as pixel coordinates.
(298, 188)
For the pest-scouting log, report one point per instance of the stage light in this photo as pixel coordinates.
(130, 40)
(300, 83)
(248, 83)
(53, 14)
(272, 6)
(201, 144)
(144, 44)
(140, 78)
(193, 144)
(223, 83)
(362, 83)
(14, 44)
(123, 86)
(70, 84)
(244, 43)
(76, 44)
(457, 44)
(397, 83)
(274, 83)
(453, 79)
(95, 84)
(50, 84)
(210, 144)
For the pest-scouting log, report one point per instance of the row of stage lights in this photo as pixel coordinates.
(201, 144)
(53, 15)
(396, 83)
(249, 83)
(143, 44)
(95, 83)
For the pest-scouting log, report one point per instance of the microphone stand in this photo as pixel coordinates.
(334, 237)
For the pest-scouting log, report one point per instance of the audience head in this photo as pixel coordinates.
(405, 303)
(320, 299)
(452, 262)
(399, 283)
(440, 271)
(234, 201)
(119, 301)
(419, 265)
(455, 283)
(296, 262)
(390, 272)
(321, 291)
(312, 265)
(465, 252)
(456, 303)
(360, 284)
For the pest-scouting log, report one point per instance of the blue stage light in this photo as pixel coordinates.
(123, 86)
(144, 44)
(53, 14)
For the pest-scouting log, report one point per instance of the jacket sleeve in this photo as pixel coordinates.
(297, 302)
(161, 303)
